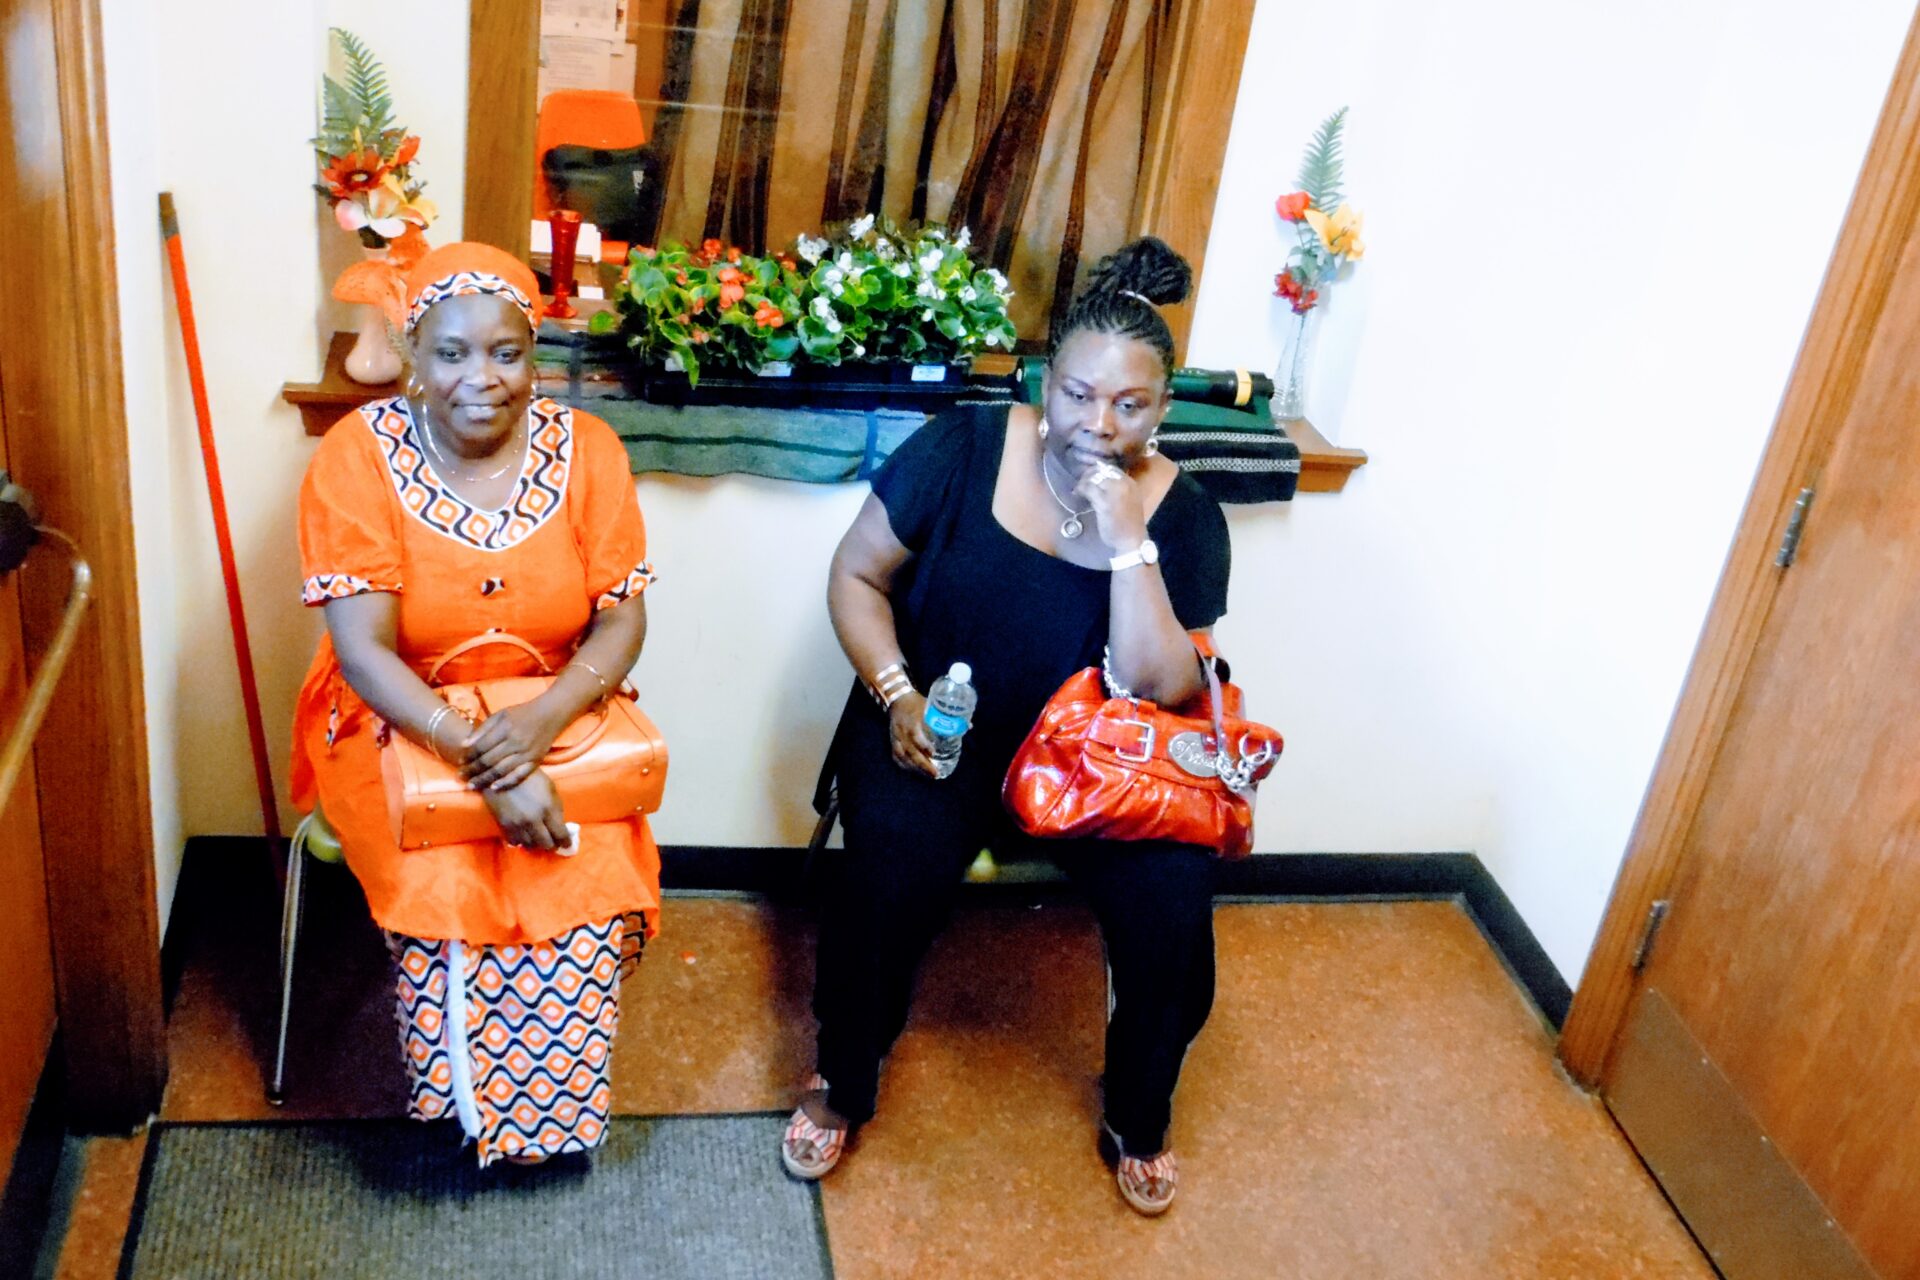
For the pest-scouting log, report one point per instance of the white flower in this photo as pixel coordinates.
(993, 339)
(822, 308)
(844, 261)
(836, 289)
(968, 294)
(861, 226)
(999, 281)
(902, 270)
(810, 249)
(926, 289)
(927, 314)
(965, 237)
(859, 350)
(833, 325)
(834, 275)
(930, 259)
(884, 250)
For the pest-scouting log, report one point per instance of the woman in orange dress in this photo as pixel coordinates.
(462, 507)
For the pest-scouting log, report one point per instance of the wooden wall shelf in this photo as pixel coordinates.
(1324, 467)
(323, 403)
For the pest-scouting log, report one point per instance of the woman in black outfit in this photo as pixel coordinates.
(1028, 542)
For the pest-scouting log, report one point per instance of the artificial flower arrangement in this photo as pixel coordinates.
(869, 292)
(1326, 227)
(366, 159)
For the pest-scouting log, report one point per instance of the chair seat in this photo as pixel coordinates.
(320, 840)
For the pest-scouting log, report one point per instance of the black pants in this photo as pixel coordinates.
(909, 840)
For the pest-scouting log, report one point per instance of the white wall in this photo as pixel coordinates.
(1595, 237)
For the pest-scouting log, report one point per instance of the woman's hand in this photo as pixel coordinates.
(912, 744)
(1119, 509)
(504, 752)
(529, 814)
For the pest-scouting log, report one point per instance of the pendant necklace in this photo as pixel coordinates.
(1071, 526)
(443, 464)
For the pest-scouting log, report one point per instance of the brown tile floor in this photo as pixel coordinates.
(1373, 1097)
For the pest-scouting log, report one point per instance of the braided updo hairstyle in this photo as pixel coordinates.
(1148, 268)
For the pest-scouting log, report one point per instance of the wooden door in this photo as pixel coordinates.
(1766, 1062)
(26, 961)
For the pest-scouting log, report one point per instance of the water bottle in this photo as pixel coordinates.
(949, 711)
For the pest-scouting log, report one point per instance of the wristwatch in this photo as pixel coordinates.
(1145, 553)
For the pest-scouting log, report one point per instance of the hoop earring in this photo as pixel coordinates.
(1153, 445)
(1043, 428)
(414, 388)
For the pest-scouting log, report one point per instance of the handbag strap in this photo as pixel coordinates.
(1235, 768)
(481, 641)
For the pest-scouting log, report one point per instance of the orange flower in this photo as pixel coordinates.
(1291, 207)
(710, 248)
(731, 293)
(699, 335)
(354, 172)
(769, 316)
(409, 148)
(733, 255)
(729, 275)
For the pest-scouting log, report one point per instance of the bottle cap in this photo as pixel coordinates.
(960, 673)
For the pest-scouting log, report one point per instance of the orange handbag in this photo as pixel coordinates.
(609, 764)
(1122, 768)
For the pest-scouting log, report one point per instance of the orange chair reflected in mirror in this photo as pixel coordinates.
(601, 118)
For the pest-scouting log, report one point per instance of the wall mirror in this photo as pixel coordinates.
(1052, 129)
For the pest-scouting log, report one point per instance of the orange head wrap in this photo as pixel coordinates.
(470, 267)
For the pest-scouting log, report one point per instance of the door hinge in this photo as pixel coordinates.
(1796, 521)
(1655, 914)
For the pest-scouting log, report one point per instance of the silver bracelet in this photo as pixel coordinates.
(433, 727)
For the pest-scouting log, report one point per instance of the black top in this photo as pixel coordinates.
(1024, 620)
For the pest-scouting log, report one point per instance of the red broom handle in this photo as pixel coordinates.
(217, 497)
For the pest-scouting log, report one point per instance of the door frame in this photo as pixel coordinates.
(1827, 374)
(68, 442)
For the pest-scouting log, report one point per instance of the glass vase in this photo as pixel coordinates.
(1293, 377)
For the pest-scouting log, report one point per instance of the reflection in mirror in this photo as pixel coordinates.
(752, 121)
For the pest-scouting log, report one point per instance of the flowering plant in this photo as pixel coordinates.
(1326, 228)
(366, 159)
(877, 291)
(707, 305)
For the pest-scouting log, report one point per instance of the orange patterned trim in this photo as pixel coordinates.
(322, 587)
(632, 585)
(540, 492)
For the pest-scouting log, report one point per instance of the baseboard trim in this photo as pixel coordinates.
(781, 872)
(27, 1203)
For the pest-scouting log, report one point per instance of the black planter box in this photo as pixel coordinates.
(918, 388)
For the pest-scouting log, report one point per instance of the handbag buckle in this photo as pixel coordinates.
(1146, 743)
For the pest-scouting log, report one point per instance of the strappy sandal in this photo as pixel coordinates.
(1146, 1185)
(809, 1151)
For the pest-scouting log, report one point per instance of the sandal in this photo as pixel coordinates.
(1146, 1185)
(809, 1151)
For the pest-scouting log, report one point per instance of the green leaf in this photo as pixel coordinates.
(781, 344)
(602, 322)
(1321, 169)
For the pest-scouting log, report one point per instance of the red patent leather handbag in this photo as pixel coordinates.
(1121, 768)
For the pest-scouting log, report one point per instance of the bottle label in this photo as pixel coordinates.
(943, 724)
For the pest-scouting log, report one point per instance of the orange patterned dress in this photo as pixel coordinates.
(508, 958)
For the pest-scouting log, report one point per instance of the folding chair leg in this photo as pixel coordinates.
(290, 908)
